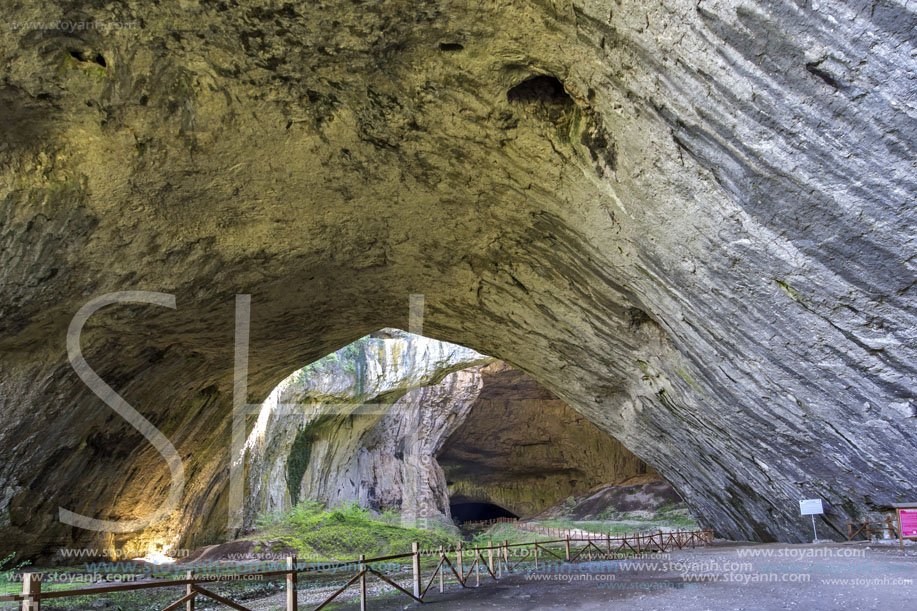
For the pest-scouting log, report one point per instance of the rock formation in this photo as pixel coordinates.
(364, 426)
(522, 448)
(638, 496)
(691, 221)
(386, 421)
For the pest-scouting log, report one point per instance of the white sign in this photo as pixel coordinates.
(810, 507)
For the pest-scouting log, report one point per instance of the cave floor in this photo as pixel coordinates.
(729, 576)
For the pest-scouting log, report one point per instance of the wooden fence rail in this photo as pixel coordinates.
(866, 527)
(32, 595)
(491, 522)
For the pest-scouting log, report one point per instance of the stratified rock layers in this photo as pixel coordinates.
(692, 221)
(364, 426)
(522, 448)
(376, 422)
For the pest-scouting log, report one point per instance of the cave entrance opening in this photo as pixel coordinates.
(520, 447)
(463, 512)
(397, 422)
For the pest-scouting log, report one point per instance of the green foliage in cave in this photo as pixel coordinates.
(343, 533)
(297, 462)
(351, 358)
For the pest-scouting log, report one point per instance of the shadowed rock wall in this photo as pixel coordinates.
(387, 420)
(522, 448)
(692, 221)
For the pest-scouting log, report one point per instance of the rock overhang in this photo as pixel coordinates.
(332, 169)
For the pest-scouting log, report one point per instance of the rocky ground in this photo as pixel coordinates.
(638, 497)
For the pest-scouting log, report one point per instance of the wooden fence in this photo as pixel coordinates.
(482, 561)
(491, 522)
(866, 527)
(658, 541)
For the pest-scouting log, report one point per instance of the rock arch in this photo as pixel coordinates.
(708, 251)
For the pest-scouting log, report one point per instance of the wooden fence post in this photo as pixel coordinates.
(490, 555)
(292, 600)
(506, 555)
(661, 541)
(567, 547)
(415, 549)
(536, 557)
(31, 592)
(189, 589)
(458, 561)
(608, 542)
(477, 569)
(891, 529)
(442, 569)
(363, 582)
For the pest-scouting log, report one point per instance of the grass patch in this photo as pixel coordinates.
(498, 533)
(9, 583)
(344, 533)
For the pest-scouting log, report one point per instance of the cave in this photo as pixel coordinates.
(398, 421)
(523, 448)
(692, 222)
(477, 512)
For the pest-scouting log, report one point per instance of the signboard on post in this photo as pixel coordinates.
(907, 521)
(811, 507)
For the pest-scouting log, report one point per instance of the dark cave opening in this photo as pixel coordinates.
(540, 88)
(476, 512)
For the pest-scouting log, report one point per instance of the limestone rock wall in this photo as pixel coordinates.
(363, 425)
(412, 424)
(524, 449)
(692, 221)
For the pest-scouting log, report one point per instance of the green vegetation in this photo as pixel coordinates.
(8, 582)
(670, 515)
(354, 358)
(690, 381)
(317, 533)
(344, 533)
(94, 70)
(351, 358)
(298, 461)
(301, 452)
(504, 532)
(596, 526)
(789, 291)
(303, 375)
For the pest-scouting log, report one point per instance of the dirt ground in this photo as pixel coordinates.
(727, 576)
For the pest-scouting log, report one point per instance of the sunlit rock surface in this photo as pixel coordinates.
(692, 221)
(416, 425)
(364, 425)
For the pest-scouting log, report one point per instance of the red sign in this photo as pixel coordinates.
(909, 522)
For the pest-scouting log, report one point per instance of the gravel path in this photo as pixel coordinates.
(726, 576)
